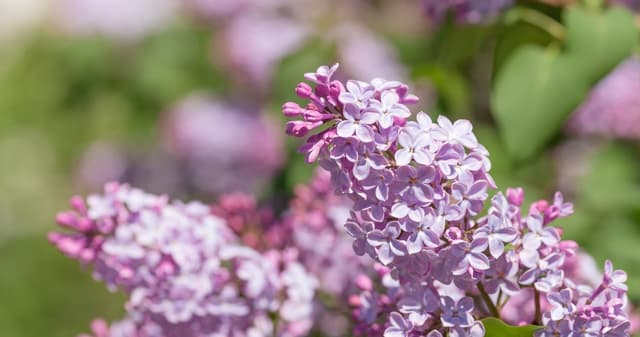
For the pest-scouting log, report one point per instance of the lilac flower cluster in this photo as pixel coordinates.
(418, 189)
(315, 218)
(613, 106)
(313, 225)
(185, 272)
(465, 11)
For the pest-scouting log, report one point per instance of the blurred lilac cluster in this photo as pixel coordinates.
(313, 225)
(633, 5)
(185, 272)
(613, 106)
(418, 189)
(125, 20)
(465, 11)
(246, 45)
(208, 146)
(222, 145)
(232, 268)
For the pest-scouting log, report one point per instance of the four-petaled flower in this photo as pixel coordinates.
(389, 108)
(415, 146)
(457, 315)
(386, 242)
(357, 122)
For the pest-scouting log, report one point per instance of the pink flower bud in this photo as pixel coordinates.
(364, 282)
(303, 90)
(515, 195)
(291, 109)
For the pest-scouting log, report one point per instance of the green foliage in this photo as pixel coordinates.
(496, 328)
(45, 294)
(534, 93)
(537, 89)
(597, 41)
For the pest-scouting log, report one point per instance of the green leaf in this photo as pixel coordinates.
(497, 328)
(612, 180)
(598, 41)
(454, 94)
(536, 90)
(533, 95)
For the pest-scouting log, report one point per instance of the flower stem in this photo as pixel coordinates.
(538, 19)
(537, 318)
(487, 300)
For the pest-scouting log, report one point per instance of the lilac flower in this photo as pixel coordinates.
(359, 233)
(357, 122)
(614, 279)
(496, 234)
(409, 206)
(562, 304)
(358, 93)
(550, 262)
(419, 305)
(457, 314)
(322, 75)
(501, 276)
(587, 327)
(415, 181)
(456, 133)
(414, 146)
(368, 160)
(426, 234)
(472, 256)
(379, 180)
(470, 197)
(345, 147)
(538, 235)
(399, 327)
(389, 108)
(386, 242)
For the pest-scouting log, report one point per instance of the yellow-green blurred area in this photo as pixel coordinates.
(519, 79)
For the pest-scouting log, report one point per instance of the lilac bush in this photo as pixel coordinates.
(419, 189)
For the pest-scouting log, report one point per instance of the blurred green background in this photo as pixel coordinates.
(520, 76)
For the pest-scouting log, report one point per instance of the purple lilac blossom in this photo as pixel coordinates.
(465, 11)
(612, 109)
(126, 20)
(364, 54)
(428, 232)
(315, 218)
(246, 47)
(222, 146)
(250, 47)
(313, 225)
(184, 271)
(633, 5)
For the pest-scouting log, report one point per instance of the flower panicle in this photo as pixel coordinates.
(185, 272)
(419, 188)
